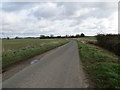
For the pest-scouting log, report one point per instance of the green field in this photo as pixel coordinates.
(15, 50)
(89, 38)
(101, 66)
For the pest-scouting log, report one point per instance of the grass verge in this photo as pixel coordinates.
(12, 56)
(103, 68)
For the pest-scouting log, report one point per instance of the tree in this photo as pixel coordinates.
(16, 37)
(42, 36)
(82, 35)
(51, 35)
(8, 38)
(58, 36)
(77, 35)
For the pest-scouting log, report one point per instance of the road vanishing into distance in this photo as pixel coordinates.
(60, 68)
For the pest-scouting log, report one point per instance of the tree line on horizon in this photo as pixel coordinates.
(66, 36)
(51, 36)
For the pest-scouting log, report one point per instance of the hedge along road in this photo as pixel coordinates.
(60, 68)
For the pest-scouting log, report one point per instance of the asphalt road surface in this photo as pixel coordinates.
(60, 68)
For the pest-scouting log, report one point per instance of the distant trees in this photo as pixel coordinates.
(16, 37)
(82, 35)
(51, 35)
(77, 35)
(59, 37)
(8, 38)
(42, 36)
(66, 36)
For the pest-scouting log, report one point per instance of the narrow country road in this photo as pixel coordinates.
(60, 68)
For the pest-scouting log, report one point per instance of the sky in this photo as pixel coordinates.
(28, 19)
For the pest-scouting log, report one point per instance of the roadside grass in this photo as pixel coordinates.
(101, 66)
(11, 56)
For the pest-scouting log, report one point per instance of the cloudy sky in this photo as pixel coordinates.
(34, 19)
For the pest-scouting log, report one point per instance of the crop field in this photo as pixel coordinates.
(14, 44)
(15, 50)
(89, 38)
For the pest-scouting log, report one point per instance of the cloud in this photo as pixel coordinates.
(16, 6)
(33, 19)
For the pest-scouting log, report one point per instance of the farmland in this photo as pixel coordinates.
(100, 64)
(15, 50)
(89, 38)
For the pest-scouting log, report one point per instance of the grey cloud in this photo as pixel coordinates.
(16, 6)
(102, 9)
(44, 13)
(61, 13)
